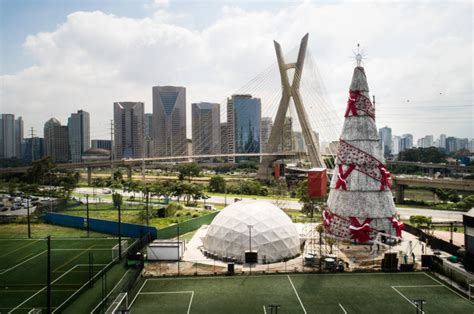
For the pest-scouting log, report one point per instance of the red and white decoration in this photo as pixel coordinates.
(360, 203)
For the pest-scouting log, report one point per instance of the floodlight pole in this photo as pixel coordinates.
(147, 208)
(87, 212)
(119, 233)
(48, 276)
(177, 232)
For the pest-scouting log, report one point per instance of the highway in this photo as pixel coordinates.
(405, 213)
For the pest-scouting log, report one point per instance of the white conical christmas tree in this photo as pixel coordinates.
(360, 203)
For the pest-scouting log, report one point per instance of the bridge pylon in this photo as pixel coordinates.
(290, 92)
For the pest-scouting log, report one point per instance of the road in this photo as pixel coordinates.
(405, 213)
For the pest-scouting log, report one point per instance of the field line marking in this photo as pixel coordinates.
(420, 286)
(460, 295)
(108, 294)
(296, 292)
(21, 247)
(343, 309)
(140, 290)
(190, 301)
(405, 298)
(166, 292)
(8, 269)
(72, 258)
(264, 310)
(39, 291)
(296, 275)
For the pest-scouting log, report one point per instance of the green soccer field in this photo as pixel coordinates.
(23, 269)
(299, 293)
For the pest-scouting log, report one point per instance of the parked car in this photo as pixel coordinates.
(3, 209)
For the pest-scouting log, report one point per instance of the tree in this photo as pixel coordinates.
(188, 170)
(217, 184)
(420, 154)
(311, 204)
(117, 200)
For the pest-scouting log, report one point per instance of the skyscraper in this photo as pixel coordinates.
(9, 128)
(147, 129)
(243, 118)
(33, 149)
(104, 144)
(406, 142)
(128, 129)
(224, 138)
(206, 128)
(18, 136)
(56, 141)
(396, 144)
(385, 134)
(442, 140)
(79, 134)
(265, 129)
(169, 120)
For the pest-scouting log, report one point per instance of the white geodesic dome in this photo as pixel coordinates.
(273, 234)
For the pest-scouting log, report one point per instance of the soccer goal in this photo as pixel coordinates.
(120, 304)
(115, 249)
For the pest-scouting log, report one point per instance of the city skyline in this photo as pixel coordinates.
(435, 58)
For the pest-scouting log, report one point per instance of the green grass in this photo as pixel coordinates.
(41, 230)
(270, 197)
(24, 268)
(300, 293)
(137, 217)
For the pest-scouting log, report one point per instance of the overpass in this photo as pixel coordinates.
(432, 166)
(135, 162)
(401, 182)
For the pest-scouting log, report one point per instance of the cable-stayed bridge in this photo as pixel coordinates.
(294, 102)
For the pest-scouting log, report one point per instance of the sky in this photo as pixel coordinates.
(60, 56)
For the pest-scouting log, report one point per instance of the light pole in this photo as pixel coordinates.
(179, 251)
(250, 246)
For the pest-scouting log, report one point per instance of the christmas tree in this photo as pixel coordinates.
(360, 203)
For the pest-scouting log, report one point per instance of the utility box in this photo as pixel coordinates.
(165, 250)
(251, 257)
(317, 182)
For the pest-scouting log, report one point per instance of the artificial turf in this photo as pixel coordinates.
(23, 269)
(299, 293)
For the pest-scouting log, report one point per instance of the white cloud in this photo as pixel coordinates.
(415, 51)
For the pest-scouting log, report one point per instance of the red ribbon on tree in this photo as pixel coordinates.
(360, 232)
(398, 225)
(351, 107)
(384, 180)
(342, 176)
(327, 216)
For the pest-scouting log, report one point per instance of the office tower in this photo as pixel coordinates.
(265, 128)
(224, 138)
(103, 144)
(243, 118)
(470, 146)
(425, 142)
(18, 136)
(206, 129)
(299, 142)
(407, 142)
(385, 134)
(148, 134)
(78, 126)
(442, 140)
(169, 121)
(32, 149)
(7, 136)
(128, 129)
(56, 141)
(396, 144)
